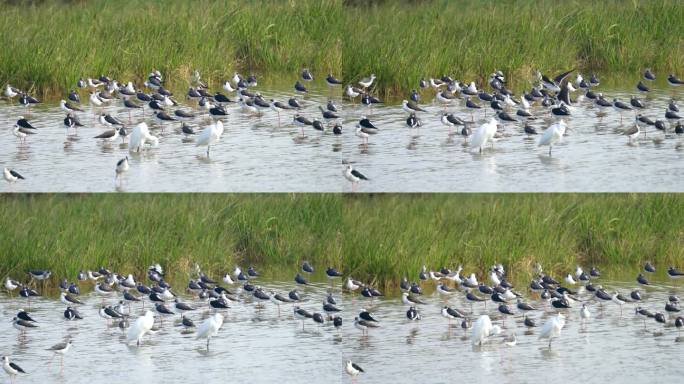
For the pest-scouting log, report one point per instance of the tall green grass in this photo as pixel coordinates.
(394, 235)
(50, 44)
(378, 238)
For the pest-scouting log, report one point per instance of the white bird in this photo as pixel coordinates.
(578, 271)
(433, 276)
(350, 285)
(472, 88)
(367, 81)
(210, 135)
(95, 100)
(511, 340)
(617, 301)
(472, 279)
(569, 279)
(508, 101)
(508, 295)
(227, 87)
(129, 280)
(227, 279)
(210, 327)
(21, 133)
(444, 290)
(60, 349)
(552, 328)
(494, 278)
(140, 136)
(142, 325)
(352, 369)
(584, 312)
(361, 134)
(68, 107)
(567, 298)
(354, 176)
(11, 175)
(538, 269)
(525, 103)
(553, 134)
(483, 329)
(10, 92)
(350, 92)
(94, 84)
(121, 167)
(632, 132)
(166, 294)
(130, 88)
(456, 275)
(10, 284)
(11, 368)
(484, 134)
(167, 101)
(236, 78)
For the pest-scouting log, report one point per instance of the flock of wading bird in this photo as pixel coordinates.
(554, 299)
(549, 97)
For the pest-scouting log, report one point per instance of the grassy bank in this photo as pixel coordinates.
(374, 237)
(395, 235)
(50, 44)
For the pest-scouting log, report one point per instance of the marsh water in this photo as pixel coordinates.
(257, 154)
(260, 346)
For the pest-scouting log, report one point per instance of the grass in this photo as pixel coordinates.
(375, 237)
(56, 42)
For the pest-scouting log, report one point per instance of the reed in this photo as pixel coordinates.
(49, 44)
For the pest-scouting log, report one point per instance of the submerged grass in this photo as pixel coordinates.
(50, 44)
(375, 237)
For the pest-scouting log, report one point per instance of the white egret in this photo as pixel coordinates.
(210, 135)
(210, 327)
(140, 136)
(142, 325)
(484, 134)
(482, 329)
(552, 328)
(553, 134)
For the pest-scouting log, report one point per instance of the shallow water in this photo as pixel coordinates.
(259, 346)
(257, 155)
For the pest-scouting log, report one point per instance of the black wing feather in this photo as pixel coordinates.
(358, 174)
(16, 367)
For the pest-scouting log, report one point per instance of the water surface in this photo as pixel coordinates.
(257, 155)
(260, 346)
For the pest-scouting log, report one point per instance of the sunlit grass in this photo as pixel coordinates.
(375, 237)
(50, 45)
